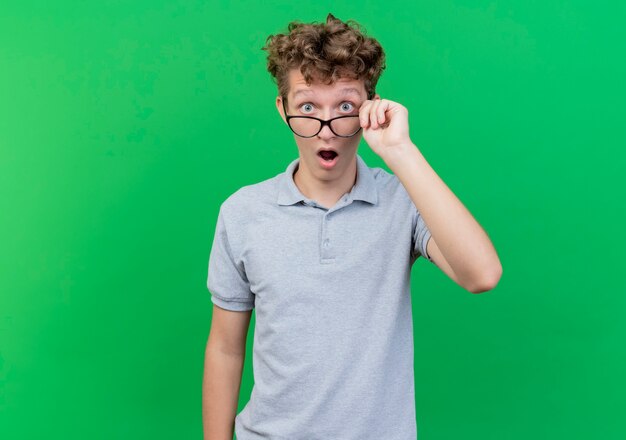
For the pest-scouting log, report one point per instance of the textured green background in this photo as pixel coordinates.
(124, 125)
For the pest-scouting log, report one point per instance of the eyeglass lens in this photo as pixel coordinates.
(309, 127)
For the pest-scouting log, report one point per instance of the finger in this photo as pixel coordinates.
(364, 118)
(380, 112)
(372, 114)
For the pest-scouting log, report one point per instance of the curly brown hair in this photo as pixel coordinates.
(325, 52)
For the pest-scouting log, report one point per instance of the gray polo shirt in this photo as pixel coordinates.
(333, 339)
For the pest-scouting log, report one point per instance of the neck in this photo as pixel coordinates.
(325, 192)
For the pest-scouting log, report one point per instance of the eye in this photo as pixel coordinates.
(347, 109)
(308, 104)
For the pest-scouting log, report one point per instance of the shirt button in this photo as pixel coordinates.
(326, 242)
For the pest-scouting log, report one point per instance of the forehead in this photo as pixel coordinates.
(345, 86)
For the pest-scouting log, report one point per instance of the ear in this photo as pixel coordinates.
(279, 107)
(376, 96)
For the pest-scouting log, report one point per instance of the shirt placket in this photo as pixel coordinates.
(327, 249)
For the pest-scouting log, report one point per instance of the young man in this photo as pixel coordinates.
(324, 252)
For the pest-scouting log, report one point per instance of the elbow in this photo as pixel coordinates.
(487, 281)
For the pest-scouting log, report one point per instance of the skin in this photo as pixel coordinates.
(315, 182)
(459, 246)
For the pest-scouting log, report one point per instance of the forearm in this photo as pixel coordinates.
(220, 393)
(462, 241)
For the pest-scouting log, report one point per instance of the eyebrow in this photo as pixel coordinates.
(342, 92)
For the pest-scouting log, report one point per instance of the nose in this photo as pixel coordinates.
(325, 132)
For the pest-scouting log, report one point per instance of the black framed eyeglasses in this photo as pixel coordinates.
(309, 126)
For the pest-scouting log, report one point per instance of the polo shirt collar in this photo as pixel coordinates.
(364, 188)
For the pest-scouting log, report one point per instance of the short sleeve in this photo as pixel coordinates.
(227, 281)
(421, 235)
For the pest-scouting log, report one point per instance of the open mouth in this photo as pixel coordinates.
(327, 155)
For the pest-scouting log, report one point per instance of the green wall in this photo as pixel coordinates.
(124, 125)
